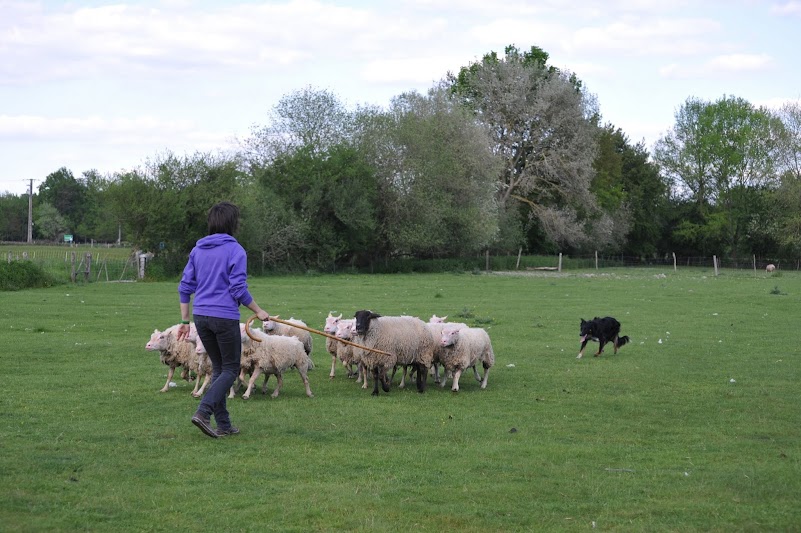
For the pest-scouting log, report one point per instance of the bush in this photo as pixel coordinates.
(18, 275)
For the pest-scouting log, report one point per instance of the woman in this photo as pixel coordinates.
(216, 274)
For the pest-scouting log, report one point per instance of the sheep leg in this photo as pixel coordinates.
(280, 378)
(422, 376)
(194, 390)
(333, 366)
(202, 388)
(264, 385)
(305, 379)
(436, 372)
(456, 375)
(365, 371)
(166, 386)
(475, 373)
(486, 373)
(375, 381)
(253, 377)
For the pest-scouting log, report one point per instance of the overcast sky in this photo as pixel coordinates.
(107, 85)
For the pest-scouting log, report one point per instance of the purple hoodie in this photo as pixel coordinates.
(216, 274)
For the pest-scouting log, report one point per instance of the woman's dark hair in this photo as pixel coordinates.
(223, 218)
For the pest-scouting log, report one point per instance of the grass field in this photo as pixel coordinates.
(694, 426)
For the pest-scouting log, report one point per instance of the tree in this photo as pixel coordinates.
(309, 118)
(61, 190)
(789, 152)
(542, 125)
(718, 154)
(625, 178)
(437, 176)
(49, 223)
(13, 217)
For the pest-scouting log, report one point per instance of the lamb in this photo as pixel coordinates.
(173, 353)
(274, 355)
(330, 344)
(435, 325)
(348, 354)
(770, 268)
(465, 347)
(406, 338)
(271, 327)
(200, 364)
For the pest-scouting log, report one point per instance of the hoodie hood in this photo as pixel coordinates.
(212, 241)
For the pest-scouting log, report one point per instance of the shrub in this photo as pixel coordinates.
(18, 275)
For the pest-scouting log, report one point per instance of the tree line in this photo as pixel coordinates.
(507, 153)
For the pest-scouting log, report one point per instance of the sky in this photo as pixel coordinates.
(107, 86)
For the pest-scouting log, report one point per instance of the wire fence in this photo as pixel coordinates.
(88, 267)
(101, 265)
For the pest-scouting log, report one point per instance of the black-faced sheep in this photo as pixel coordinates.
(405, 338)
(464, 348)
(275, 355)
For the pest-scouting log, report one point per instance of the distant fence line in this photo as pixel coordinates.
(91, 267)
(85, 266)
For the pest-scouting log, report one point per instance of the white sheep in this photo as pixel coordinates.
(464, 348)
(770, 268)
(173, 353)
(271, 327)
(349, 355)
(435, 325)
(200, 364)
(274, 355)
(406, 339)
(331, 345)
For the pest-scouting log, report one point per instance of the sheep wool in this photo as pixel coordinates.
(405, 337)
(272, 327)
(172, 352)
(275, 355)
(464, 348)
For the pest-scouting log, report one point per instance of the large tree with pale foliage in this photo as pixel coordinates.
(543, 126)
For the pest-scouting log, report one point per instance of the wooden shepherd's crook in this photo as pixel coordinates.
(299, 326)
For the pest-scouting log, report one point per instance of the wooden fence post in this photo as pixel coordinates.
(674, 261)
(715, 263)
(519, 253)
(88, 269)
(596, 259)
(72, 267)
(560, 262)
(486, 262)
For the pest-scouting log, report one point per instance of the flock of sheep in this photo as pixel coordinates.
(386, 344)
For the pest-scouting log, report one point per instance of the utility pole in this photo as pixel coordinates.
(30, 212)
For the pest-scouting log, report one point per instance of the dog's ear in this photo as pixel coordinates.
(583, 321)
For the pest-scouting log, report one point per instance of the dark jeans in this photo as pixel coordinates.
(223, 341)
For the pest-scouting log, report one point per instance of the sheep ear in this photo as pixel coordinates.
(374, 315)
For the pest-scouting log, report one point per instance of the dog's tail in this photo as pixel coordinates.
(623, 340)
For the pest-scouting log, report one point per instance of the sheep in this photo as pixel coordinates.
(331, 344)
(200, 364)
(274, 355)
(173, 353)
(406, 338)
(770, 268)
(348, 354)
(435, 325)
(271, 327)
(465, 347)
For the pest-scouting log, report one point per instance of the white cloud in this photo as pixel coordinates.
(786, 8)
(740, 62)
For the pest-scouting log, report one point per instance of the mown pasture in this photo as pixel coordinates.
(693, 426)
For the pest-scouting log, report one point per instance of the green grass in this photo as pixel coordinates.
(655, 438)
